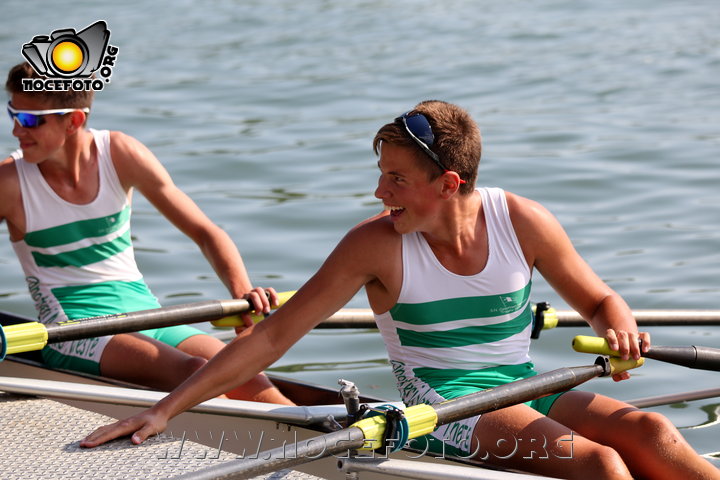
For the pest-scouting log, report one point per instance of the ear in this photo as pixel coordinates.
(450, 184)
(77, 120)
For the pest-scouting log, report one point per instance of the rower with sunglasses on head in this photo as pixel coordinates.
(447, 270)
(66, 197)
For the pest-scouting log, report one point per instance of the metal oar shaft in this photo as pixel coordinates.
(516, 392)
(363, 318)
(145, 319)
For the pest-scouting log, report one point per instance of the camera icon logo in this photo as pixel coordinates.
(66, 53)
(68, 59)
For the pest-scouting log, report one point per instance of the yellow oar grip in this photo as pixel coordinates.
(551, 318)
(236, 320)
(421, 419)
(618, 365)
(597, 345)
(25, 337)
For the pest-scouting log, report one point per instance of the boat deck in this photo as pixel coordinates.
(40, 440)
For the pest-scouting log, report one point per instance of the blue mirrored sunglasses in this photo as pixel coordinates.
(418, 126)
(34, 118)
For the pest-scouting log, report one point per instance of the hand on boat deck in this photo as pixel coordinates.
(261, 300)
(628, 344)
(141, 426)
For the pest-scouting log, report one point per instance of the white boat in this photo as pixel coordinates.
(245, 429)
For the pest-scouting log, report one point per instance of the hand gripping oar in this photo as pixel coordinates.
(369, 433)
(25, 337)
(703, 358)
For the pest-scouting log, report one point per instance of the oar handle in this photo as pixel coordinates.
(235, 320)
(703, 358)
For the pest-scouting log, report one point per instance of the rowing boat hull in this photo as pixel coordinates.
(217, 426)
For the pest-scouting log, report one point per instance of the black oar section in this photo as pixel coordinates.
(702, 358)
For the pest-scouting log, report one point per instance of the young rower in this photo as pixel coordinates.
(66, 196)
(447, 271)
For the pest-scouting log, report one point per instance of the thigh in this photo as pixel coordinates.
(596, 416)
(137, 358)
(522, 438)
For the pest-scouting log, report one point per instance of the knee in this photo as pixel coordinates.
(192, 364)
(605, 462)
(656, 429)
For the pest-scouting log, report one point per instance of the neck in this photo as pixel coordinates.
(459, 224)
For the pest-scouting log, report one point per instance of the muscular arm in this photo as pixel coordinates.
(354, 262)
(137, 167)
(548, 248)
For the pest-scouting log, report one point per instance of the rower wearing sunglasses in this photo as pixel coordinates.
(447, 270)
(66, 197)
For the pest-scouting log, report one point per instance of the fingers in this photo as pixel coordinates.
(260, 300)
(116, 430)
(627, 344)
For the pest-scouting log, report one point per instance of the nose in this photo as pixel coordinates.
(18, 129)
(381, 191)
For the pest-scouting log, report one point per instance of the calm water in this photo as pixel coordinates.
(263, 111)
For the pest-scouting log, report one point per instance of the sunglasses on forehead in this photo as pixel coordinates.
(34, 118)
(419, 129)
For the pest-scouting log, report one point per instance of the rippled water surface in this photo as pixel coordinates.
(608, 113)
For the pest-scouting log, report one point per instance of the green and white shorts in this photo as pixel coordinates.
(429, 385)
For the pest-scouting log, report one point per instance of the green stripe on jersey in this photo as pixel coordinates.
(464, 336)
(85, 255)
(76, 231)
(448, 310)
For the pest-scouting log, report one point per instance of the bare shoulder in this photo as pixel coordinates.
(376, 232)
(526, 212)
(536, 228)
(8, 177)
(370, 244)
(133, 161)
(10, 199)
(124, 145)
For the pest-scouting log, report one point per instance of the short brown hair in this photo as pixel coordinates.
(458, 142)
(57, 99)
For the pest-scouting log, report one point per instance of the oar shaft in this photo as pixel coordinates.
(702, 358)
(516, 392)
(145, 319)
(363, 318)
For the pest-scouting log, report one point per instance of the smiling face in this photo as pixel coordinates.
(405, 189)
(41, 142)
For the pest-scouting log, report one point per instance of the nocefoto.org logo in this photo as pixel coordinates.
(69, 59)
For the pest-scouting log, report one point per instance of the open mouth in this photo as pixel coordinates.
(394, 211)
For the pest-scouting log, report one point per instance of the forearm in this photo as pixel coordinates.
(234, 365)
(224, 257)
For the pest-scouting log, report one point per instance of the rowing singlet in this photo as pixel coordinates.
(447, 322)
(78, 259)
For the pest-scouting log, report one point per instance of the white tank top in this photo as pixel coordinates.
(447, 321)
(78, 259)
